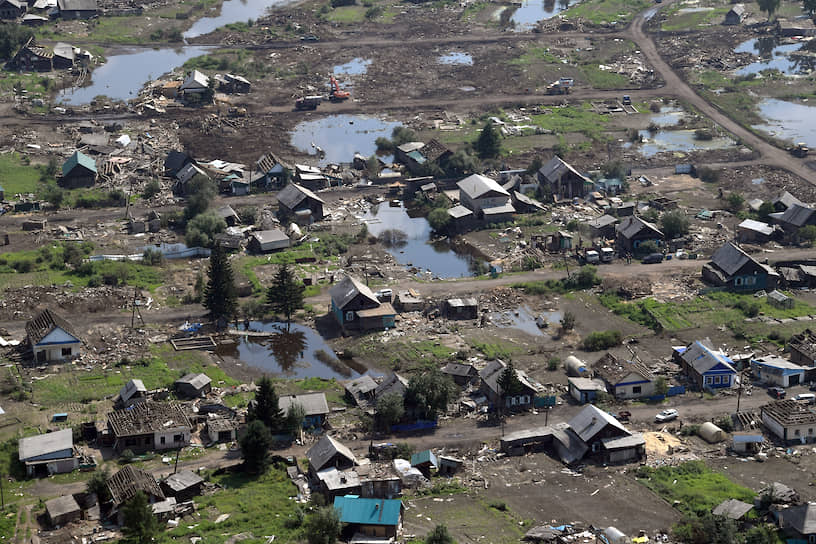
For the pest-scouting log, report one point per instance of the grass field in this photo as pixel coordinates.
(695, 488)
(607, 11)
(16, 176)
(693, 20)
(573, 119)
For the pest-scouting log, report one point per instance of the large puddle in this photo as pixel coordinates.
(788, 121)
(775, 56)
(523, 320)
(337, 137)
(456, 58)
(678, 140)
(232, 11)
(532, 11)
(123, 75)
(669, 116)
(354, 67)
(410, 246)
(299, 352)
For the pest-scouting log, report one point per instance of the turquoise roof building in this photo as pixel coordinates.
(371, 517)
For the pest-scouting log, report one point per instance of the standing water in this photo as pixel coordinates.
(123, 75)
(232, 11)
(407, 239)
(340, 136)
(533, 11)
(788, 121)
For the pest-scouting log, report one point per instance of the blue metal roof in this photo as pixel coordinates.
(353, 509)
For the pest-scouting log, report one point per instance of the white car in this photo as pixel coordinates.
(666, 415)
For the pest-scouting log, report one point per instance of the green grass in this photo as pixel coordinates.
(606, 11)
(259, 505)
(695, 488)
(603, 79)
(8, 521)
(712, 309)
(347, 14)
(504, 351)
(693, 20)
(16, 176)
(535, 55)
(404, 356)
(581, 119)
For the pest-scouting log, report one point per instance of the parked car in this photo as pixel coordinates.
(666, 415)
(809, 398)
(776, 392)
(652, 258)
(309, 38)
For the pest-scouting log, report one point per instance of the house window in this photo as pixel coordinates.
(161, 440)
(716, 380)
(636, 390)
(737, 281)
(750, 280)
(349, 316)
(796, 432)
(177, 438)
(810, 431)
(66, 352)
(709, 380)
(147, 441)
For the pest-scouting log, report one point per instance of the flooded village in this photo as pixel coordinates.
(378, 271)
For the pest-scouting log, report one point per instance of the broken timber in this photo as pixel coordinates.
(194, 342)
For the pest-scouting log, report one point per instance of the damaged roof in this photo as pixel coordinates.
(131, 388)
(45, 322)
(147, 417)
(345, 291)
(124, 484)
(293, 194)
(326, 448)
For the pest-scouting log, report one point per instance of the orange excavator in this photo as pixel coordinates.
(336, 94)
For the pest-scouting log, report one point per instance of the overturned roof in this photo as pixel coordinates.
(756, 226)
(131, 388)
(732, 509)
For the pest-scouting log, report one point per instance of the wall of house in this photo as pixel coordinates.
(635, 389)
(622, 455)
(717, 380)
(790, 433)
(54, 352)
(171, 438)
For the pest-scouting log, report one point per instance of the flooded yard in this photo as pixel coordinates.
(788, 121)
(413, 247)
(456, 58)
(232, 11)
(338, 137)
(532, 11)
(775, 56)
(678, 140)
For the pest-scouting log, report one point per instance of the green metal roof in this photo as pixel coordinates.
(353, 509)
(80, 159)
(422, 457)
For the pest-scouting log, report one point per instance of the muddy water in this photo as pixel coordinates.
(340, 136)
(456, 58)
(354, 67)
(669, 116)
(532, 11)
(678, 140)
(123, 74)
(412, 248)
(232, 11)
(788, 121)
(291, 353)
(775, 56)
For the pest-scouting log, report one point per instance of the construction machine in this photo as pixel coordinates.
(562, 86)
(336, 94)
(799, 150)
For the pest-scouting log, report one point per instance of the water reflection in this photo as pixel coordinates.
(295, 351)
(340, 136)
(532, 11)
(788, 58)
(678, 140)
(788, 121)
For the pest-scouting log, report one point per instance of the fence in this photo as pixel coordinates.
(421, 425)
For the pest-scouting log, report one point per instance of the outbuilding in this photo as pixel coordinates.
(378, 518)
(774, 370)
(52, 338)
(182, 485)
(735, 15)
(62, 510)
(49, 453)
(267, 241)
(78, 171)
(585, 390)
(193, 386)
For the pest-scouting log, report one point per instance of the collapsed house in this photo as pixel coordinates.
(562, 181)
(149, 426)
(790, 421)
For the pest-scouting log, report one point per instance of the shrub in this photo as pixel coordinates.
(151, 189)
(552, 363)
(708, 174)
(601, 340)
(703, 134)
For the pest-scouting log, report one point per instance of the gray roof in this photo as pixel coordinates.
(602, 221)
(183, 480)
(797, 215)
(739, 9)
(572, 447)
(592, 420)
(730, 258)
(458, 369)
(757, 226)
(394, 383)
(490, 375)
(459, 211)
(131, 388)
(43, 444)
(345, 291)
(199, 381)
(64, 50)
(411, 146)
(293, 194)
(702, 357)
(555, 168)
(524, 199)
(587, 384)
(633, 224)
(335, 479)
(196, 80)
(61, 506)
(732, 508)
(477, 185)
(313, 403)
(267, 236)
(801, 518)
(619, 442)
(76, 5)
(325, 449)
(360, 386)
(787, 200)
(226, 211)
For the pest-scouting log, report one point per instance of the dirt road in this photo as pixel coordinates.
(676, 86)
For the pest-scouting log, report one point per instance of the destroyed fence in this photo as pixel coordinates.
(182, 254)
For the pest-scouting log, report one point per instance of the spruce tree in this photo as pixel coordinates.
(285, 296)
(140, 524)
(488, 145)
(255, 446)
(220, 296)
(266, 408)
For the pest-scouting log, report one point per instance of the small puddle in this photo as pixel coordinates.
(232, 11)
(532, 11)
(455, 57)
(408, 238)
(669, 116)
(340, 136)
(467, 88)
(678, 140)
(775, 56)
(354, 67)
(788, 121)
(123, 75)
(292, 353)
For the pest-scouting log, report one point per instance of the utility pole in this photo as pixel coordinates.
(175, 468)
(739, 390)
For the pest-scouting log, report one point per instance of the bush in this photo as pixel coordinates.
(703, 134)
(151, 189)
(647, 247)
(552, 363)
(674, 223)
(708, 175)
(601, 340)
(735, 202)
